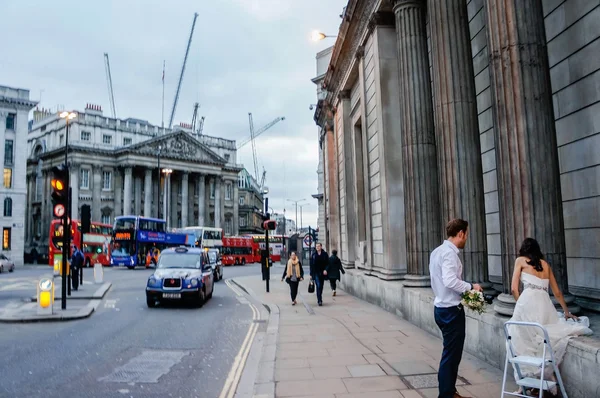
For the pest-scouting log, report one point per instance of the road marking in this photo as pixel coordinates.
(233, 287)
(110, 304)
(235, 374)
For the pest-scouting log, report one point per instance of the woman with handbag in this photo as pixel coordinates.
(293, 275)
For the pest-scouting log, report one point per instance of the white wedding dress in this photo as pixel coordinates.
(535, 305)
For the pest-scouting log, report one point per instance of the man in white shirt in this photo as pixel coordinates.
(445, 269)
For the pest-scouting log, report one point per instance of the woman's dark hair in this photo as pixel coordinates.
(530, 248)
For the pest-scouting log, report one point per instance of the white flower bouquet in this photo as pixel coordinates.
(473, 300)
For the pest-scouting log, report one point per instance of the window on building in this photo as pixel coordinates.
(6, 238)
(43, 128)
(105, 219)
(8, 152)
(84, 179)
(106, 180)
(7, 177)
(228, 226)
(107, 139)
(228, 191)
(212, 189)
(10, 121)
(242, 221)
(127, 141)
(242, 200)
(86, 136)
(61, 139)
(7, 207)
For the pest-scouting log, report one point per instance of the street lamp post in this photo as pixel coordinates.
(159, 180)
(318, 36)
(296, 204)
(66, 217)
(167, 173)
(301, 206)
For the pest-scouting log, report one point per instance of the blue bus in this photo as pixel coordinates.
(137, 241)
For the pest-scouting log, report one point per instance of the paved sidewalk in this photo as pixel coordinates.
(351, 349)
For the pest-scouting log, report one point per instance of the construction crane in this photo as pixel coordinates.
(187, 50)
(254, 134)
(111, 95)
(262, 180)
(197, 129)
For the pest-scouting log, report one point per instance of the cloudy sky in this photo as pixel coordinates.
(246, 56)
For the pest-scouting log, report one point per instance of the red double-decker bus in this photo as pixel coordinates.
(95, 245)
(238, 250)
(275, 246)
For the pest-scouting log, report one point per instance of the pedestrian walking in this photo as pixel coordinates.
(293, 275)
(318, 271)
(446, 269)
(77, 260)
(334, 270)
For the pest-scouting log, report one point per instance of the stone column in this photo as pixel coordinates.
(118, 192)
(457, 131)
(421, 196)
(525, 138)
(166, 202)
(137, 195)
(46, 205)
(28, 207)
(236, 208)
(173, 200)
(74, 184)
(201, 181)
(96, 193)
(184, 198)
(127, 192)
(217, 181)
(148, 193)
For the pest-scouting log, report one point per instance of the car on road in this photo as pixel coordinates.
(181, 274)
(6, 264)
(215, 261)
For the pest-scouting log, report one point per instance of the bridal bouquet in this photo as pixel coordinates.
(473, 300)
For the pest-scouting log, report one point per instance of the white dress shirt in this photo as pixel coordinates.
(445, 269)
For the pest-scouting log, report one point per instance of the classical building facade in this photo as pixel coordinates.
(115, 167)
(484, 110)
(14, 111)
(250, 204)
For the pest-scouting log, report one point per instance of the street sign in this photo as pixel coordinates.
(59, 210)
(45, 296)
(308, 240)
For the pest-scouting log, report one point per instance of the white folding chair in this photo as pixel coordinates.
(539, 362)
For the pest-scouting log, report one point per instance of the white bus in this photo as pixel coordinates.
(206, 236)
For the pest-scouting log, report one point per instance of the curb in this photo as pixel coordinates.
(97, 295)
(83, 313)
(259, 381)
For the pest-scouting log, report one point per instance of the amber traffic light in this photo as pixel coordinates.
(59, 190)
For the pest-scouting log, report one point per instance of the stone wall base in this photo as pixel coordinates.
(485, 337)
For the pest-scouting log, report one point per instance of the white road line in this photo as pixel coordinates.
(234, 376)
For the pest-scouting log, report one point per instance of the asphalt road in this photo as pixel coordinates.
(124, 349)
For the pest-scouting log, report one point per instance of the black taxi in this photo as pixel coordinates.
(183, 274)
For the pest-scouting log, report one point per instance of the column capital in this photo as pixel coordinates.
(360, 52)
(344, 95)
(128, 169)
(185, 175)
(381, 18)
(148, 172)
(201, 178)
(398, 4)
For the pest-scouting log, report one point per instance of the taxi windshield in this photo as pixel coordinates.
(179, 260)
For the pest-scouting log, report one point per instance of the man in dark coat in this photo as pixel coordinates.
(333, 270)
(76, 265)
(318, 264)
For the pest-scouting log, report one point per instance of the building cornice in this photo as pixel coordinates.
(17, 102)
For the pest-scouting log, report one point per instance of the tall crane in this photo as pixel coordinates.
(111, 95)
(254, 134)
(187, 51)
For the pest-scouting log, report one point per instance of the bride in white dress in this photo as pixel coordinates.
(534, 305)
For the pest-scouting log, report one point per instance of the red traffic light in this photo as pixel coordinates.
(270, 225)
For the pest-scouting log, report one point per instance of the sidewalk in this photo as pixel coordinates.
(351, 349)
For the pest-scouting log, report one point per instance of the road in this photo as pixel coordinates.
(125, 349)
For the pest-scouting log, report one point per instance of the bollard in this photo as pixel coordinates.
(45, 296)
(98, 273)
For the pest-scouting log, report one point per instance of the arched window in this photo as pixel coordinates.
(7, 207)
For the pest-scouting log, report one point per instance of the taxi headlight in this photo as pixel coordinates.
(194, 282)
(153, 282)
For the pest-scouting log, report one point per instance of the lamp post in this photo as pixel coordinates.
(167, 173)
(318, 36)
(159, 180)
(66, 225)
(296, 204)
(301, 206)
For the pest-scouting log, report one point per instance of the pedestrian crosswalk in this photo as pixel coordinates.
(11, 284)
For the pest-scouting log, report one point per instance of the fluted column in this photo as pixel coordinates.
(173, 201)
(421, 196)
(74, 185)
(201, 181)
(148, 193)
(184, 199)
(236, 208)
(137, 195)
(118, 192)
(457, 130)
(127, 192)
(166, 201)
(96, 193)
(218, 213)
(525, 137)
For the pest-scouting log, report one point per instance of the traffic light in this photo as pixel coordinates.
(315, 233)
(86, 219)
(270, 225)
(59, 190)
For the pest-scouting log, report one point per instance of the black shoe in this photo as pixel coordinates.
(320, 303)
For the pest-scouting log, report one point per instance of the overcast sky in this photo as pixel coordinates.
(246, 56)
